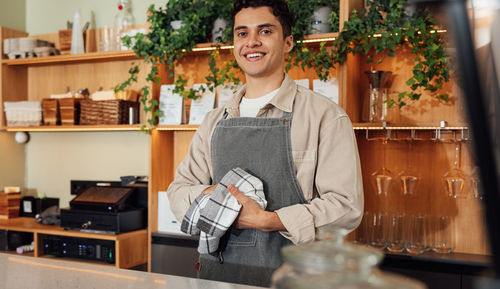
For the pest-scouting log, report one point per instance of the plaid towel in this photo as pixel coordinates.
(212, 215)
(192, 215)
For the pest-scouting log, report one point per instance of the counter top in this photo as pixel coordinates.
(39, 273)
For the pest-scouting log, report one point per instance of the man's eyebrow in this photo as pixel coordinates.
(266, 25)
(260, 26)
(241, 27)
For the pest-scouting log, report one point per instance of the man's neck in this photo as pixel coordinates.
(257, 87)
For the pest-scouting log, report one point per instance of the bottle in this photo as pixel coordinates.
(123, 20)
(77, 35)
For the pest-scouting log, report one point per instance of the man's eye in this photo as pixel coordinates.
(242, 34)
(266, 31)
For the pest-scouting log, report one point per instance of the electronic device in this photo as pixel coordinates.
(82, 248)
(105, 199)
(31, 206)
(105, 222)
(10, 240)
(111, 209)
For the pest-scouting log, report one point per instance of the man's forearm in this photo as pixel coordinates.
(270, 221)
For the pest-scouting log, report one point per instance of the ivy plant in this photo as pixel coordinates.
(382, 27)
(301, 56)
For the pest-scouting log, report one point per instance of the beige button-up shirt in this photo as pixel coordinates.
(325, 155)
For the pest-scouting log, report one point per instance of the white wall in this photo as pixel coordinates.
(49, 16)
(13, 14)
(12, 161)
(53, 159)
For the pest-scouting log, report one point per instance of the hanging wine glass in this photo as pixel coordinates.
(454, 179)
(383, 177)
(475, 183)
(409, 176)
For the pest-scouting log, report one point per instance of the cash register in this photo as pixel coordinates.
(107, 209)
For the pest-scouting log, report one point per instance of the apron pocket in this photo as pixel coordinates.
(243, 237)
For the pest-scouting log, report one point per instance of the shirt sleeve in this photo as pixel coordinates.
(192, 175)
(338, 183)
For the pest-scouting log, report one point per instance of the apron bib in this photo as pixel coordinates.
(262, 147)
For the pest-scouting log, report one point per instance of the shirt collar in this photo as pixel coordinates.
(283, 99)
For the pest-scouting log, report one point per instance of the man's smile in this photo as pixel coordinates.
(254, 56)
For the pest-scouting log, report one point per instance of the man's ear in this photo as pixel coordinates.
(288, 43)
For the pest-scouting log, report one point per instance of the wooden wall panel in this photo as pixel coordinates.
(182, 140)
(431, 160)
(55, 79)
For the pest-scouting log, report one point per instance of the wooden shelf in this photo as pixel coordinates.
(181, 127)
(76, 128)
(14, 253)
(356, 126)
(130, 247)
(71, 58)
(24, 224)
(379, 126)
(314, 38)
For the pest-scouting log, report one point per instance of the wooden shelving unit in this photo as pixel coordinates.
(34, 79)
(422, 120)
(75, 128)
(72, 58)
(130, 248)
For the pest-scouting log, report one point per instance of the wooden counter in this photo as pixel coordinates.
(130, 248)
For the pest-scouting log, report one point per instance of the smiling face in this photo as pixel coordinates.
(259, 46)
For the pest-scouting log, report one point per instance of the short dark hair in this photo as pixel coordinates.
(279, 8)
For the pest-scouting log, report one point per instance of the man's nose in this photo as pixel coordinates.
(253, 40)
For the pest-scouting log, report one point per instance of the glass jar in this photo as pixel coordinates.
(331, 263)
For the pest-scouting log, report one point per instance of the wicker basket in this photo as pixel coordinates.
(70, 110)
(50, 109)
(23, 113)
(106, 111)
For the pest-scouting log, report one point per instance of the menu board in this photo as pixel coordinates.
(202, 105)
(328, 88)
(171, 106)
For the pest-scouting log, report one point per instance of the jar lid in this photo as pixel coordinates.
(324, 256)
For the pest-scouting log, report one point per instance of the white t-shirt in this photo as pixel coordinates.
(249, 107)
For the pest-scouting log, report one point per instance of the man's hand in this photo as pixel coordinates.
(210, 190)
(252, 216)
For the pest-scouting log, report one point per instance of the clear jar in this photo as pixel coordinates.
(331, 263)
(328, 256)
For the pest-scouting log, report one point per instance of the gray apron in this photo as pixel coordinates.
(262, 147)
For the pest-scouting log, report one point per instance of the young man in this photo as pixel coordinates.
(300, 144)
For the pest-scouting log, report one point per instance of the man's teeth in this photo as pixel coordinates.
(253, 55)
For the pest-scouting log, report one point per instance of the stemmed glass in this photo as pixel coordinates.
(383, 177)
(475, 183)
(454, 179)
(409, 176)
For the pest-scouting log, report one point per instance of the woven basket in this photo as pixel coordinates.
(50, 110)
(106, 111)
(70, 110)
(23, 113)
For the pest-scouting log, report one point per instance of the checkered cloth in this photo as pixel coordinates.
(212, 215)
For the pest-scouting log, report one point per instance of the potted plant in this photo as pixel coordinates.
(301, 56)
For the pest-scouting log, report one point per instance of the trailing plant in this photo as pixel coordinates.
(164, 45)
(382, 27)
(319, 59)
